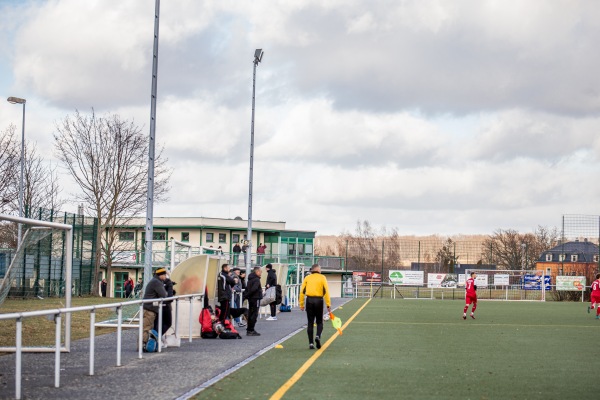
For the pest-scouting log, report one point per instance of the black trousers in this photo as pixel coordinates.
(273, 309)
(253, 307)
(167, 319)
(224, 307)
(314, 312)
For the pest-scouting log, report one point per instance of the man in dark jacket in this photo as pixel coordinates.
(154, 290)
(271, 282)
(167, 311)
(236, 253)
(225, 283)
(253, 294)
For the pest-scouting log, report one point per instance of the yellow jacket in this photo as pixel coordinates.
(315, 285)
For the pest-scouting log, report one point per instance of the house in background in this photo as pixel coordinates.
(579, 258)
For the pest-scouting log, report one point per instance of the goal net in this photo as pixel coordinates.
(38, 267)
(41, 264)
(517, 285)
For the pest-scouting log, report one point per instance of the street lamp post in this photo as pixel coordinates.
(258, 55)
(17, 100)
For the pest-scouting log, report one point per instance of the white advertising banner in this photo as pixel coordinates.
(481, 281)
(501, 279)
(441, 280)
(571, 283)
(412, 278)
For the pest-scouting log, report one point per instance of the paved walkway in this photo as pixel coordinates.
(179, 370)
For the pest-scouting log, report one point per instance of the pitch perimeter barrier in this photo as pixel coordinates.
(497, 293)
(57, 315)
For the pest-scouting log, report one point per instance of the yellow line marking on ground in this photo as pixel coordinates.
(477, 324)
(298, 374)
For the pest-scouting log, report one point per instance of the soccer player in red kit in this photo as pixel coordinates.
(595, 298)
(470, 295)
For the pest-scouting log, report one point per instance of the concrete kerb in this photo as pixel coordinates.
(182, 372)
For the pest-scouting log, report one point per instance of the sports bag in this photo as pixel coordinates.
(269, 296)
(206, 320)
(229, 331)
(152, 344)
(285, 307)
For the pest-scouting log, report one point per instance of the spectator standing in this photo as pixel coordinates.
(253, 294)
(128, 286)
(245, 251)
(238, 290)
(260, 253)
(138, 288)
(225, 283)
(236, 253)
(271, 282)
(103, 286)
(167, 311)
(154, 290)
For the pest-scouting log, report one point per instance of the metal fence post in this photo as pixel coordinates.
(160, 317)
(190, 322)
(119, 323)
(141, 331)
(176, 316)
(92, 336)
(18, 358)
(57, 321)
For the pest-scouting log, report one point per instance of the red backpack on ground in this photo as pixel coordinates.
(206, 320)
(229, 331)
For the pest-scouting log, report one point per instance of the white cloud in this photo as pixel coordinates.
(436, 117)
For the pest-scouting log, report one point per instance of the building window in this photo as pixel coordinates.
(574, 257)
(549, 257)
(291, 249)
(222, 238)
(185, 236)
(235, 237)
(210, 237)
(561, 257)
(126, 236)
(159, 236)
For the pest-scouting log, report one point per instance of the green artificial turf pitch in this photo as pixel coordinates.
(423, 349)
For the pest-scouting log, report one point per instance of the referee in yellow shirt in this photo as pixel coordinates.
(314, 288)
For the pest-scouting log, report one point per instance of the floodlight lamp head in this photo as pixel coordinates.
(258, 55)
(16, 100)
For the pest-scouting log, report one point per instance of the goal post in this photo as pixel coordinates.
(35, 232)
(508, 284)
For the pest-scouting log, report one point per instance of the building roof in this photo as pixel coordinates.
(212, 223)
(585, 251)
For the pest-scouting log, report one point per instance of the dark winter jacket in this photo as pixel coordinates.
(224, 284)
(237, 248)
(169, 288)
(253, 288)
(154, 290)
(271, 278)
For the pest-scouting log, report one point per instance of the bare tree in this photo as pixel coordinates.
(512, 250)
(40, 183)
(9, 162)
(108, 158)
(445, 257)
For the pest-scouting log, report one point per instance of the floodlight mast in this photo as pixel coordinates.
(18, 100)
(151, 146)
(258, 55)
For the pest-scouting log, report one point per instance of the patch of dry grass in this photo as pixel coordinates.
(39, 331)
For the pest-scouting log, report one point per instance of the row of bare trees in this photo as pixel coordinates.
(41, 187)
(369, 249)
(106, 156)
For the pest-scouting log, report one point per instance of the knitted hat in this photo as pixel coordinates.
(160, 271)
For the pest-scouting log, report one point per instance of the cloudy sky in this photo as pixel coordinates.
(430, 116)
